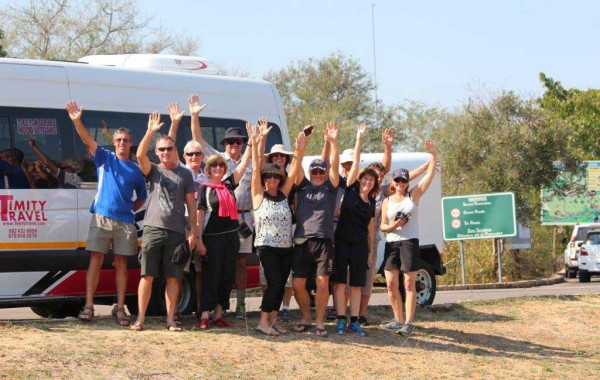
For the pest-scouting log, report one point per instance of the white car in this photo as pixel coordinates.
(572, 248)
(589, 256)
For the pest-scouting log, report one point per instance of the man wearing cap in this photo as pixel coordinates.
(233, 141)
(313, 236)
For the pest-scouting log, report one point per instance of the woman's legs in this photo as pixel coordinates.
(411, 295)
(392, 282)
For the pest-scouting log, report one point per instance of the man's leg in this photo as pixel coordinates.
(240, 285)
(92, 277)
(144, 294)
(321, 299)
(302, 298)
(121, 279)
(172, 298)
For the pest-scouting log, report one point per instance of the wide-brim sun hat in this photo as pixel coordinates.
(279, 148)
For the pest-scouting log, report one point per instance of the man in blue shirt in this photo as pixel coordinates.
(113, 212)
(10, 168)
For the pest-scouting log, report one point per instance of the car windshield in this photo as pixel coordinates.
(593, 239)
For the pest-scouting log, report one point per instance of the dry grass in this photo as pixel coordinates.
(526, 338)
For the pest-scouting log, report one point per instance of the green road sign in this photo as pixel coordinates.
(482, 216)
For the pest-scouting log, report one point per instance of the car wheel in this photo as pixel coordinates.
(584, 276)
(187, 297)
(570, 272)
(425, 284)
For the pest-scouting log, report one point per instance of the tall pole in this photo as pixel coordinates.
(462, 262)
(375, 66)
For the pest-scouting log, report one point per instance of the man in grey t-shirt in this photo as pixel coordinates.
(171, 190)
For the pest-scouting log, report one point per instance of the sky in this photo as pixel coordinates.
(441, 52)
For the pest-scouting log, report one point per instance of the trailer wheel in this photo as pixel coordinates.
(425, 284)
(187, 298)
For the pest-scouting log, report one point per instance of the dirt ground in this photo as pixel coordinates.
(525, 338)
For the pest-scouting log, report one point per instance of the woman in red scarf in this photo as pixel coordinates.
(218, 237)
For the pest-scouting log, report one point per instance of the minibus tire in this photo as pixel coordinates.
(187, 299)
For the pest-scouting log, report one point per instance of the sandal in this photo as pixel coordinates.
(136, 327)
(267, 331)
(86, 314)
(321, 332)
(279, 328)
(302, 327)
(120, 316)
(173, 328)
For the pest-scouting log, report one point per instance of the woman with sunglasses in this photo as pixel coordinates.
(218, 236)
(273, 220)
(400, 223)
(354, 238)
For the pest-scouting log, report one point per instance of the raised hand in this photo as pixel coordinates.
(174, 113)
(362, 129)
(195, 107)
(331, 132)
(154, 123)
(302, 141)
(263, 125)
(387, 137)
(74, 111)
(430, 147)
(254, 134)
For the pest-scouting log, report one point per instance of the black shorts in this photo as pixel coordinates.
(401, 255)
(354, 257)
(312, 253)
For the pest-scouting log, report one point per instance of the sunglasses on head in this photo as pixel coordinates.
(215, 164)
(400, 180)
(167, 148)
(271, 175)
(317, 171)
(197, 154)
(234, 141)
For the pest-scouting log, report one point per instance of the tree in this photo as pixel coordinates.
(2, 52)
(316, 91)
(578, 112)
(68, 29)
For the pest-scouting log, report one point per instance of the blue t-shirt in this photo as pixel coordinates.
(15, 175)
(117, 180)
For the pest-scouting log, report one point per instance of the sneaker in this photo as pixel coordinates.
(221, 322)
(363, 321)
(355, 328)
(203, 325)
(391, 326)
(406, 330)
(240, 311)
(341, 326)
(284, 315)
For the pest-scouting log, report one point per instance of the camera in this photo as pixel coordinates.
(308, 130)
(245, 230)
(402, 214)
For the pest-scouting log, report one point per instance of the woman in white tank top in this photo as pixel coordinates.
(400, 217)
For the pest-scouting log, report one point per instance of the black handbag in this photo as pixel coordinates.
(182, 253)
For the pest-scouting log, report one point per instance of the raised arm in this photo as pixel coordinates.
(154, 125)
(256, 188)
(331, 136)
(296, 165)
(195, 109)
(387, 137)
(176, 116)
(424, 183)
(326, 152)
(239, 171)
(263, 127)
(418, 171)
(47, 161)
(353, 172)
(75, 113)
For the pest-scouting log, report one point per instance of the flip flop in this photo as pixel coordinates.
(136, 327)
(173, 328)
(321, 332)
(279, 329)
(302, 328)
(266, 331)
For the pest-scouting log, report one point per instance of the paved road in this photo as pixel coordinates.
(570, 287)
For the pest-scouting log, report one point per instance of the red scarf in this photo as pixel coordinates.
(227, 207)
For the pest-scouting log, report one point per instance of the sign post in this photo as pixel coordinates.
(481, 216)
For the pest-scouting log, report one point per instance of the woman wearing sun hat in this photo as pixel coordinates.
(400, 223)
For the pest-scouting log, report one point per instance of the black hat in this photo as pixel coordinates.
(233, 133)
(401, 174)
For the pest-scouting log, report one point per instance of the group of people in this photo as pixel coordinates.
(323, 227)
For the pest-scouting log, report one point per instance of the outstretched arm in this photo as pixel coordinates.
(424, 183)
(256, 188)
(75, 113)
(176, 116)
(47, 161)
(296, 165)
(353, 172)
(331, 136)
(388, 140)
(154, 125)
(195, 109)
(263, 127)
(239, 171)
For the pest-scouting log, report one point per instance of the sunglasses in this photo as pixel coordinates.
(278, 155)
(167, 148)
(215, 164)
(317, 171)
(271, 175)
(234, 141)
(191, 154)
(121, 140)
(400, 180)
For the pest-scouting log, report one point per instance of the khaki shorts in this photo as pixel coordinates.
(105, 230)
